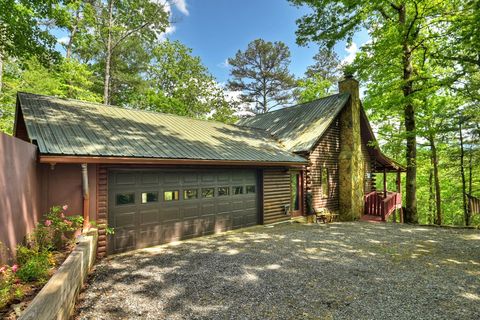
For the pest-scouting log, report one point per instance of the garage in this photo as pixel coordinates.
(151, 207)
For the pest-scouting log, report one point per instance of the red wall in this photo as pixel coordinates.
(62, 184)
(19, 191)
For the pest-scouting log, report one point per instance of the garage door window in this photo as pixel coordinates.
(208, 192)
(148, 197)
(190, 194)
(250, 189)
(125, 198)
(238, 190)
(170, 195)
(223, 191)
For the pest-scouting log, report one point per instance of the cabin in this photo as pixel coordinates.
(157, 178)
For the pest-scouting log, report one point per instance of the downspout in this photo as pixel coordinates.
(86, 197)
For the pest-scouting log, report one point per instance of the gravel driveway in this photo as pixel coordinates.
(293, 271)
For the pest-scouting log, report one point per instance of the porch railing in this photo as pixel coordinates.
(377, 204)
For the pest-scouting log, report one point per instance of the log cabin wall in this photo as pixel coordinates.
(325, 154)
(276, 194)
(369, 177)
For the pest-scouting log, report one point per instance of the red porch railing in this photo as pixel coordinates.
(377, 204)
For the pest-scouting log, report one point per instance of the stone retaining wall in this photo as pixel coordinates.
(57, 298)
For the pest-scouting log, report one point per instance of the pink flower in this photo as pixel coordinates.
(15, 267)
(62, 215)
(48, 222)
(3, 269)
(68, 222)
(65, 207)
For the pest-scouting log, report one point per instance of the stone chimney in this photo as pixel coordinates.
(351, 164)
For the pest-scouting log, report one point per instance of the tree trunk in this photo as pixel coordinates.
(410, 128)
(108, 58)
(438, 197)
(1, 71)
(462, 171)
(431, 198)
(73, 33)
(470, 171)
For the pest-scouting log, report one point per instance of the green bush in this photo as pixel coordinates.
(35, 268)
(7, 278)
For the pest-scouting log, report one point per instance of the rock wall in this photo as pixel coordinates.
(351, 164)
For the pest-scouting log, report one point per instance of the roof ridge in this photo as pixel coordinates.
(301, 104)
(129, 109)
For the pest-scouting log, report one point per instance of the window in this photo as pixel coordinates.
(190, 194)
(324, 180)
(170, 195)
(295, 191)
(208, 192)
(237, 190)
(125, 198)
(148, 197)
(223, 191)
(250, 189)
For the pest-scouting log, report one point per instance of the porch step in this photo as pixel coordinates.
(371, 218)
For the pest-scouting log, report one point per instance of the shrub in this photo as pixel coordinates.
(35, 268)
(7, 280)
(53, 232)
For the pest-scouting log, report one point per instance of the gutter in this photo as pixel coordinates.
(84, 160)
(86, 197)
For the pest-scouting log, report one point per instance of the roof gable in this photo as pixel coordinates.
(299, 127)
(71, 127)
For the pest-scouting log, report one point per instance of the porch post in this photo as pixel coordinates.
(399, 191)
(384, 182)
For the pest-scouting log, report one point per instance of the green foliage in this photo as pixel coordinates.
(7, 280)
(261, 74)
(309, 89)
(35, 268)
(179, 83)
(21, 33)
(68, 79)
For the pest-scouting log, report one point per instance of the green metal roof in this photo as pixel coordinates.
(299, 127)
(71, 127)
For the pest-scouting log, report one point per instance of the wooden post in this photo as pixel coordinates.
(399, 191)
(384, 182)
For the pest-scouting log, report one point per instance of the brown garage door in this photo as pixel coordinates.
(152, 207)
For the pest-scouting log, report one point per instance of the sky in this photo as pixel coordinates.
(217, 29)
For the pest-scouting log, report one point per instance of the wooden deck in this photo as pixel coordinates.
(379, 205)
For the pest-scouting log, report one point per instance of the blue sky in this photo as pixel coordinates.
(216, 29)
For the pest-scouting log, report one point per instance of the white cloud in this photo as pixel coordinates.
(163, 35)
(352, 52)
(224, 64)
(63, 40)
(181, 6)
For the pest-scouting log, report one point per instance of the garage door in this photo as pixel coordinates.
(152, 207)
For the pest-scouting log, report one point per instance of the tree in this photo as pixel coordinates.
(68, 79)
(116, 22)
(401, 33)
(326, 65)
(311, 88)
(261, 73)
(320, 78)
(21, 32)
(179, 83)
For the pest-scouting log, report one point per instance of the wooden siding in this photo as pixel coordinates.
(102, 210)
(369, 177)
(325, 153)
(276, 194)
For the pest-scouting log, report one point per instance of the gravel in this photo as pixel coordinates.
(295, 271)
